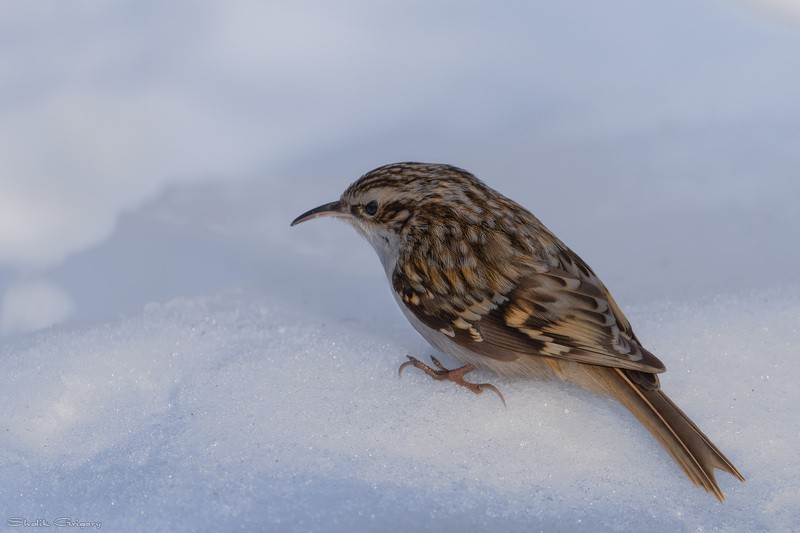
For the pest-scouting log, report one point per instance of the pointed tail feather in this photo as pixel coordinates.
(684, 441)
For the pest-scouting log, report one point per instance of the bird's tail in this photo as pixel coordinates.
(684, 441)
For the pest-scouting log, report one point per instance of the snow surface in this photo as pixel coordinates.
(205, 367)
(237, 408)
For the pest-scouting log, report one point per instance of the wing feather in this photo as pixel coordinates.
(562, 311)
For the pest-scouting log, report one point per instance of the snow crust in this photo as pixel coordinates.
(236, 409)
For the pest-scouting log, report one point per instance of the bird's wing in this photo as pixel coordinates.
(550, 312)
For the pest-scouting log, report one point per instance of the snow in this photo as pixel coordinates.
(237, 408)
(175, 357)
(33, 304)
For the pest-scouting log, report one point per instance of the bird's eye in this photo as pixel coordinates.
(371, 207)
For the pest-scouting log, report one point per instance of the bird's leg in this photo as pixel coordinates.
(455, 375)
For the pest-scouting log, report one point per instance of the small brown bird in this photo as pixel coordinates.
(486, 283)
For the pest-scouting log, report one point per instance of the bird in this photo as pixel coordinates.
(485, 282)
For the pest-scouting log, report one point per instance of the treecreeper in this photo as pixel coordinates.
(485, 282)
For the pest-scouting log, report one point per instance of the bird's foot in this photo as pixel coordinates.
(455, 375)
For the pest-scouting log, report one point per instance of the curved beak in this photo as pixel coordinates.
(326, 210)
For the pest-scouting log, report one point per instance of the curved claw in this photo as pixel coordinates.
(439, 365)
(494, 389)
(455, 375)
(411, 361)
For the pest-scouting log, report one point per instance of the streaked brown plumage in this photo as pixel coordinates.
(485, 282)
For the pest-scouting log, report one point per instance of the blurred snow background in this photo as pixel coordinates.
(175, 357)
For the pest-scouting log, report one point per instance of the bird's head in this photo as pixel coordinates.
(441, 212)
